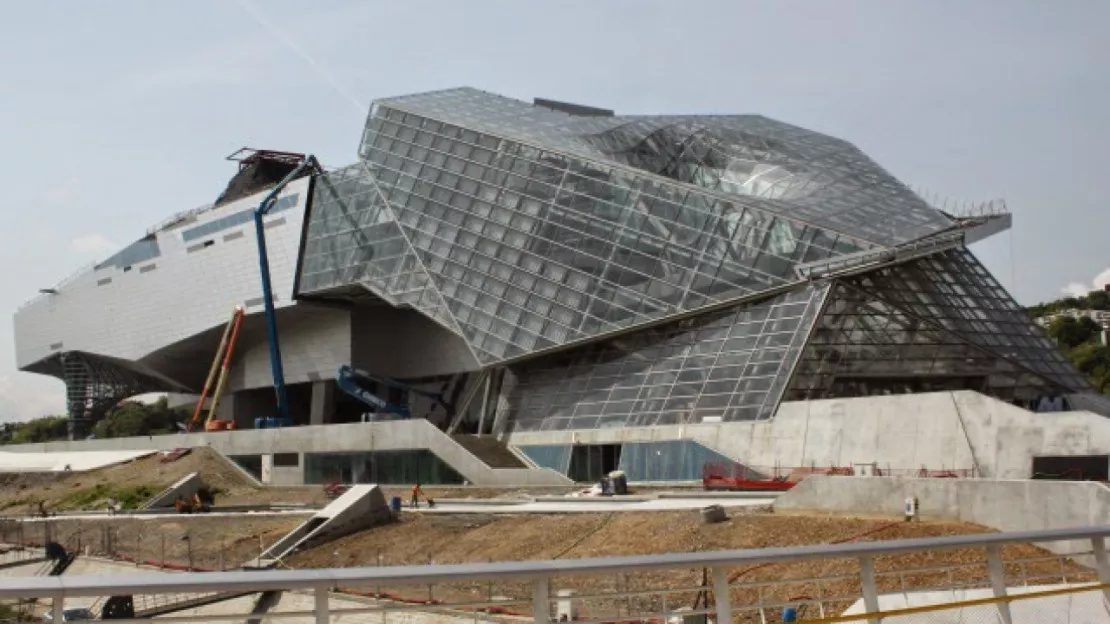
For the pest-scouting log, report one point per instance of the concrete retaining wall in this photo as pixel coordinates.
(1002, 505)
(384, 436)
(940, 430)
(186, 488)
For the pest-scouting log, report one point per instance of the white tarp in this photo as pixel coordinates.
(57, 462)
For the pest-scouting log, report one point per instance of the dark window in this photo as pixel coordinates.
(287, 460)
(1072, 468)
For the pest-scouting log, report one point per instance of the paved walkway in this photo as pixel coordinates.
(1085, 607)
(575, 505)
(173, 515)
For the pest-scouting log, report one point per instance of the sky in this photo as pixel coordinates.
(118, 113)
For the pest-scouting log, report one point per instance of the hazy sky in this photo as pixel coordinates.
(118, 113)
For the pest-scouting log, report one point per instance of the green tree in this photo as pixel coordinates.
(1093, 360)
(140, 419)
(45, 429)
(1071, 333)
(1098, 300)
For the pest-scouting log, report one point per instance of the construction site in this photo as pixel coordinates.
(490, 352)
(64, 523)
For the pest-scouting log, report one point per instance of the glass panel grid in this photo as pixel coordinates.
(569, 246)
(688, 371)
(908, 329)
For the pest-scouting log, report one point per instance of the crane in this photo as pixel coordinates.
(267, 292)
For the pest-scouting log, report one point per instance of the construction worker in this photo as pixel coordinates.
(416, 494)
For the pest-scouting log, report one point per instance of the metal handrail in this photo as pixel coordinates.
(85, 268)
(324, 579)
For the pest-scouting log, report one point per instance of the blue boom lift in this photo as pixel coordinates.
(350, 380)
(309, 163)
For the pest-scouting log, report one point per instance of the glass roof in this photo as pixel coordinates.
(788, 170)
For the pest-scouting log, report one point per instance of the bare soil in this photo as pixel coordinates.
(21, 493)
(202, 542)
(420, 539)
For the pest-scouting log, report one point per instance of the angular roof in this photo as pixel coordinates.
(804, 174)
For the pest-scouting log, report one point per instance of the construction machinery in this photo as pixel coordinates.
(351, 380)
(308, 164)
(218, 373)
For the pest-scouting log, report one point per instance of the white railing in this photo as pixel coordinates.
(725, 586)
(177, 217)
(961, 208)
(59, 285)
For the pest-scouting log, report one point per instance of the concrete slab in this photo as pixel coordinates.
(77, 461)
(163, 516)
(1085, 606)
(572, 505)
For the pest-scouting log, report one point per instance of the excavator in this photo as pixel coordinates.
(351, 380)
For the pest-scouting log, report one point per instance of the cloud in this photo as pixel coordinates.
(25, 396)
(1076, 289)
(92, 244)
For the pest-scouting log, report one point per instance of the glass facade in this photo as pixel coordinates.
(672, 460)
(531, 248)
(641, 271)
(382, 467)
(729, 365)
(938, 323)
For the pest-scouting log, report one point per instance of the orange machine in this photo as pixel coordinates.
(223, 352)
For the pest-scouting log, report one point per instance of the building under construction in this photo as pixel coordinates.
(565, 291)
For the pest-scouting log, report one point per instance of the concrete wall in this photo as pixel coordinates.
(405, 343)
(315, 340)
(383, 436)
(1002, 505)
(941, 430)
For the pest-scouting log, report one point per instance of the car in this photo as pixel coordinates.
(71, 615)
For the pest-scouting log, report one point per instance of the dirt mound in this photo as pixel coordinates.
(420, 539)
(131, 483)
(205, 542)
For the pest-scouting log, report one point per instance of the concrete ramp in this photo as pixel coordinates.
(361, 507)
(186, 487)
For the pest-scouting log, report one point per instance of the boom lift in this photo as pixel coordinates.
(349, 380)
(223, 352)
(267, 292)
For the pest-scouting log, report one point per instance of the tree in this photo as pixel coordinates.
(1098, 300)
(45, 429)
(1093, 360)
(140, 419)
(1071, 333)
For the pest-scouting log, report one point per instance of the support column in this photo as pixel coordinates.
(998, 582)
(322, 411)
(1102, 564)
(867, 584)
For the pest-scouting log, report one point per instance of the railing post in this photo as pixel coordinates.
(998, 582)
(57, 606)
(323, 614)
(867, 585)
(1102, 564)
(541, 601)
(721, 596)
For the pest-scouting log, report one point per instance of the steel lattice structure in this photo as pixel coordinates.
(636, 271)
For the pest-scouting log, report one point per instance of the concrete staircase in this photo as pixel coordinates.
(490, 450)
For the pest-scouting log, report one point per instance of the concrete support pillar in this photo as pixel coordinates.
(322, 410)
